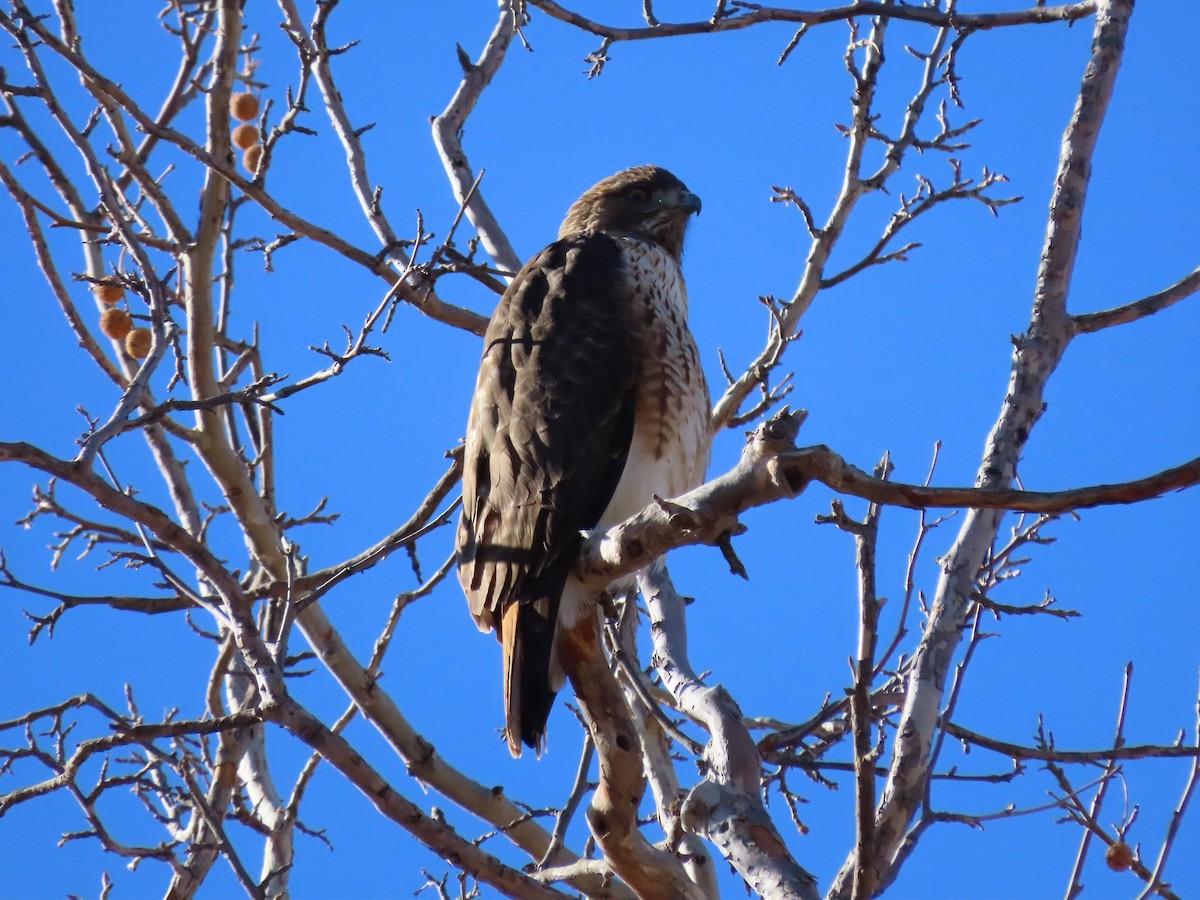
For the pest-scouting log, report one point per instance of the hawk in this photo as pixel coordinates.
(590, 400)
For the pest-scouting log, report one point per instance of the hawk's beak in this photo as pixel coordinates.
(689, 202)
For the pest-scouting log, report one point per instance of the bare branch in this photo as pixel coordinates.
(1155, 883)
(770, 471)
(424, 300)
(726, 806)
(749, 14)
(447, 129)
(1057, 754)
(1037, 354)
(653, 874)
(1086, 323)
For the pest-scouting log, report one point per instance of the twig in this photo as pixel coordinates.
(1155, 883)
(579, 789)
(1075, 885)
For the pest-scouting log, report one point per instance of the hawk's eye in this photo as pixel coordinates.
(636, 195)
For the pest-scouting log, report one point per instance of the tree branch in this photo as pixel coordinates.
(1037, 354)
(1086, 323)
(750, 14)
(447, 129)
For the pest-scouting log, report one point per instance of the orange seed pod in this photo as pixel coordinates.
(1119, 857)
(243, 106)
(108, 291)
(245, 136)
(138, 342)
(251, 157)
(115, 323)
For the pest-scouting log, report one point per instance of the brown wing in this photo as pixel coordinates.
(549, 431)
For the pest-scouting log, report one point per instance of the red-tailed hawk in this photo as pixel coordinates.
(590, 400)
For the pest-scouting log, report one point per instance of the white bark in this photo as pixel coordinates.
(726, 807)
(1037, 354)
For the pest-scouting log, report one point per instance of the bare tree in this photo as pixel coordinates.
(196, 509)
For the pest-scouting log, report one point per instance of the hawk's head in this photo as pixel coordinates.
(645, 201)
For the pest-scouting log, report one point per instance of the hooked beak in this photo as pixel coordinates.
(689, 202)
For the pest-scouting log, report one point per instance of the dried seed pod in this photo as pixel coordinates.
(115, 323)
(1119, 857)
(244, 106)
(108, 291)
(138, 342)
(251, 157)
(245, 136)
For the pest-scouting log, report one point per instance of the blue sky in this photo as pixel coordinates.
(893, 360)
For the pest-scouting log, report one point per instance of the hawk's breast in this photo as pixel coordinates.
(670, 448)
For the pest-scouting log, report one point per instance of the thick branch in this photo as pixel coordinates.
(1037, 354)
(653, 874)
(771, 469)
(726, 806)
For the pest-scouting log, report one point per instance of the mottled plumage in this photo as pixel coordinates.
(590, 400)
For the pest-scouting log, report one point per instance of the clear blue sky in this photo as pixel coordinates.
(894, 360)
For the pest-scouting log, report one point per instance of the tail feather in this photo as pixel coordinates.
(527, 637)
(512, 664)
